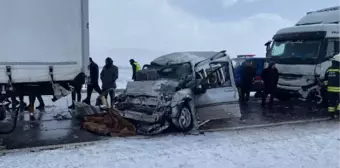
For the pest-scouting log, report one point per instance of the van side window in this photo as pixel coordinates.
(218, 75)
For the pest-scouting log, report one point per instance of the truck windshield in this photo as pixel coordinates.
(301, 48)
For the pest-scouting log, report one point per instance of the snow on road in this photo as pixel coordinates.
(314, 145)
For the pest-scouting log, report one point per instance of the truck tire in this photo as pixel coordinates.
(184, 122)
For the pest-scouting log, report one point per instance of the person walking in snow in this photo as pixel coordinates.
(93, 81)
(108, 76)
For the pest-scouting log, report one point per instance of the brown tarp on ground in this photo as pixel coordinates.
(110, 123)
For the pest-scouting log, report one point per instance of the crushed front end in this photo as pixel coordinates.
(147, 104)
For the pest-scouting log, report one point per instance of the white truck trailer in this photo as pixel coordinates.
(302, 54)
(43, 43)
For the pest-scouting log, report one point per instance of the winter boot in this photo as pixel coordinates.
(71, 107)
(40, 107)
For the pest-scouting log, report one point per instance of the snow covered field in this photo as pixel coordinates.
(314, 145)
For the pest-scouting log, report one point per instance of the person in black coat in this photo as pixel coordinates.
(249, 72)
(109, 75)
(270, 77)
(77, 85)
(93, 81)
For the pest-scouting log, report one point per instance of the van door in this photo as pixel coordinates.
(220, 101)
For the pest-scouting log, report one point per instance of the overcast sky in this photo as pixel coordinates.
(143, 29)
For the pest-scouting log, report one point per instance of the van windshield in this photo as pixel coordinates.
(297, 48)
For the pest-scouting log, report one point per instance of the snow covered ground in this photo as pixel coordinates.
(314, 145)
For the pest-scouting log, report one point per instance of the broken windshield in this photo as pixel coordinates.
(299, 49)
(175, 71)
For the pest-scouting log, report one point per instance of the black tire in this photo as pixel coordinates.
(283, 96)
(184, 122)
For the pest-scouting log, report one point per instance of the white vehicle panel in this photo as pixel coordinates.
(36, 34)
(323, 16)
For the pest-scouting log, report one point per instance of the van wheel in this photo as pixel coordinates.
(184, 122)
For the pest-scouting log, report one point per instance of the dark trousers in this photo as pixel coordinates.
(90, 88)
(271, 99)
(111, 93)
(333, 102)
(39, 97)
(245, 92)
(76, 93)
(35, 93)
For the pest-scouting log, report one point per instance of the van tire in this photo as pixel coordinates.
(184, 121)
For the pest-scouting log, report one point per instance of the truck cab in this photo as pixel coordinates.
(302, 54)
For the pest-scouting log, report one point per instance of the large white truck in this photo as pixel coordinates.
(44, 45)
(302, 54)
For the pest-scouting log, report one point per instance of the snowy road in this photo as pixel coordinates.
(314, 145)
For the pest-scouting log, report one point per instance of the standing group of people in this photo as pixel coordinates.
(108, 76)
(269, 76)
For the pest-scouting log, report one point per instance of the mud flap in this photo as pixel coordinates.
(59, 91)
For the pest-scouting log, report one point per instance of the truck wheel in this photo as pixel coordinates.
(283, 97)
(184, 122)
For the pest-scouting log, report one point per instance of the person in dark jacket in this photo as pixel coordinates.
(109, 75)
(333, 87)
(249, 72)
(93, 81)
(270, 77)
(135, 68)
(77, 85)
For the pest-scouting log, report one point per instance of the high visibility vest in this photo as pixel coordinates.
(138, 68)
(333, 83)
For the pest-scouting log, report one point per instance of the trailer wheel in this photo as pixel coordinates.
(184, 122)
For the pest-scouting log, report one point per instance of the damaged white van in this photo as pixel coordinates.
(181, 89)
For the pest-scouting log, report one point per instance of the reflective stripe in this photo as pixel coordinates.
(333, 89)
(325, 82)
(333, 70)
(331, 109)
(137, 66)
(338, 107)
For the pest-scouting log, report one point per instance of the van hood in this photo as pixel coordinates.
(151, 88)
